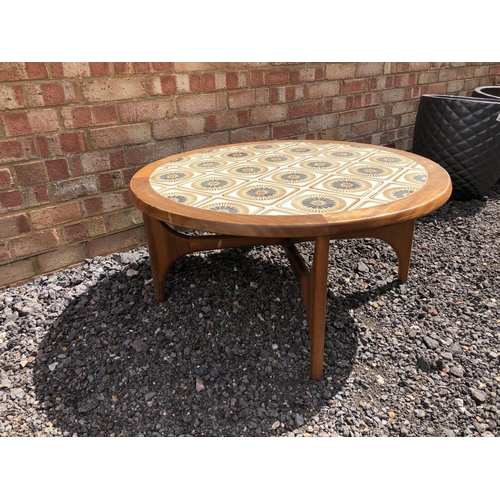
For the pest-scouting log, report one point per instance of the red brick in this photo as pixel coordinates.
(106, 203)
(365, 128)
(340, 71)
(232, 80)
(306, 109)
(395, 95)
(256, 78)
(73, 142)
(147, 153)
(57, 169)
(276, 77)
(381, 83)
(10, 199)
(241, 99)
(224, 121)
(354, 86)
(168, 84)
(445, 75)
(16, 272)
(53, 216)
(61, 258)
(99, 69)
(29, 174)
(73, 188)
(267, 114)
(4, 251)
(322, 122)
(288, 129)
(428, 77)
(178, 127)
(113, 89)
(16, 124)
(364, 69)
(197, 104)
(113, 243)
(208, 82)
(6, 180)
(350, 117)
(89, 163)
(251, 134)
(13, 225)
(85, 230)
(54, 94)
(336, 104)
(110, 181)
(162, 66)
(11, 97)
(437, 88)
(205, 140)
(323, 89)
(120, 135)
(87, 116)
(123, 220)
(153, 109)
(33, 243)
(17, 149)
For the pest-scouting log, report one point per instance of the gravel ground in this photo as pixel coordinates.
(88, 352)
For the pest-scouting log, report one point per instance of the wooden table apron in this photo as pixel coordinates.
(319, 213)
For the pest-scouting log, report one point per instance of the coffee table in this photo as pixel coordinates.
(283, 193)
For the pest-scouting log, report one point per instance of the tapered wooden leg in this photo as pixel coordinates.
(313, 284)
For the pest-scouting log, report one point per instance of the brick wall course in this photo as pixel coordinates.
(72, 134)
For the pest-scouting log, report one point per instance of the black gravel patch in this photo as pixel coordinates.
(88, 352)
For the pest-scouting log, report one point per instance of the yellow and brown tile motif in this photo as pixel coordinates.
(288, 178)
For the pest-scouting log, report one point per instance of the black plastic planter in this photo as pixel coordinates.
(462, 134)
(487, 92)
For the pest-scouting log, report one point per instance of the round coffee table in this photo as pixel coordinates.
(282, 193)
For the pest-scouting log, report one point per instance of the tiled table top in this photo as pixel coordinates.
(288, 178)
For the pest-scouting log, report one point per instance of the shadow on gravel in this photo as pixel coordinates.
(226, 354)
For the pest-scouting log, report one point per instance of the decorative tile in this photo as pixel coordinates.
(288, 178)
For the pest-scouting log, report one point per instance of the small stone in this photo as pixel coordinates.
(200, 386)
(420, 413)
(380, 380)
(52, 366)
(132, 272)
(299, 420)
(363, 267)
(478, 396)
(423, 364)
(276, 425)
(457, 371)
(430, 342)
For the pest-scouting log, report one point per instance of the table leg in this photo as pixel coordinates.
(313, 284)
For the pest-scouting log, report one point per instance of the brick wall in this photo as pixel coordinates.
(73, 134)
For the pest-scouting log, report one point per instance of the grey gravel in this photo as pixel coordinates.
(88, 352)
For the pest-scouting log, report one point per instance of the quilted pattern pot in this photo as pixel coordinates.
(462, 134)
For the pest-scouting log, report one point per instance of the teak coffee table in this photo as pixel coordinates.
(282, 193)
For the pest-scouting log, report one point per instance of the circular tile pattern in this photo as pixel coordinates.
(293, 177)
(347, 185)
(389, 159)
(276, 159)
(251, 169)
(174, 176)
(319, 164)
(208, 164)
(348, 155)
(318, 203)
(227, 207)
(238, 155)
(370, 170)
(398, 192)
(262, 192)
(181, 197)
(213, 184)
(417, 178)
